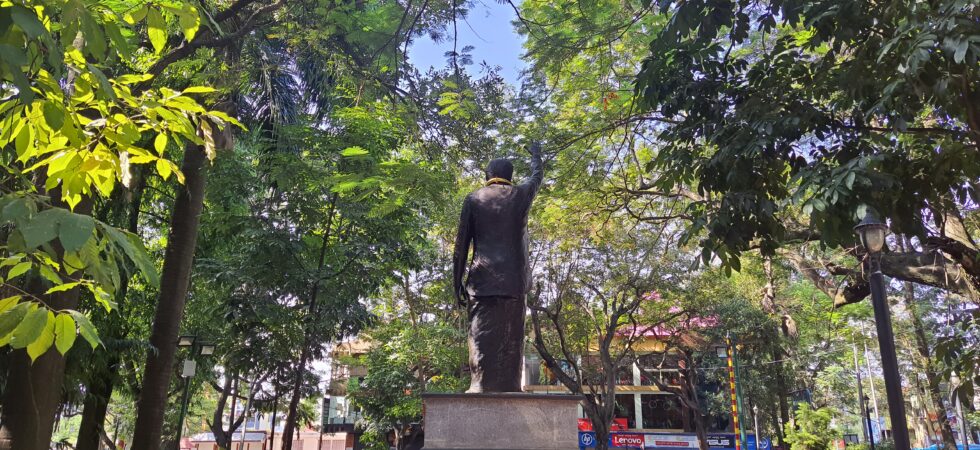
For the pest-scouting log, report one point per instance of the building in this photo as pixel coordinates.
(339, 418)
(644, 406)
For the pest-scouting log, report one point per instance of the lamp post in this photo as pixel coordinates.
(872, 233)
(954, 382)
(867, 415)
(755, 420)
(196, 347)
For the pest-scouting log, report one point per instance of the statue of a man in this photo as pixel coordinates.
(494, 221)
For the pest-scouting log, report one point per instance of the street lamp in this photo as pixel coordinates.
(867, 415)
(755, 419)
(872, 232)
(196, 348)
(721, 352)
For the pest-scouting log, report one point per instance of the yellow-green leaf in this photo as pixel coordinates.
(64, 330)
(135, 15)
(190, 21)
(63, 287)
(18, 270)
(199, 90)
(44, 340)
(160, 143)
(30, 327)
(8, 303)
(163, 168)
(156, 29)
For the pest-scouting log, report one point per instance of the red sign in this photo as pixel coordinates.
(627, 440)
(618, 424)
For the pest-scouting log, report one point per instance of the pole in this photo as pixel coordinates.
(183, 408)
(889, 360)
(871, 381)
(857, 371)
(275, 409)
(731, 382)
(963, 424)
(738, 394)
(867, 414)
(960, 417)
(755, 419)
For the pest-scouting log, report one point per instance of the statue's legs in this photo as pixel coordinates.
(496, 343)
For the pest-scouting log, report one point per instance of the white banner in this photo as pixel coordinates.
(670, 441)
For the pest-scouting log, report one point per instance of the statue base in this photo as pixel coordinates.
(500, 421)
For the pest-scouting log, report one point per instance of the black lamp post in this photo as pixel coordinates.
(196, 347)
(867, 416)
(872, 233)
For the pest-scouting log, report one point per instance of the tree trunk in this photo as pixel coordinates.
(304, 355)
(33, 391)
(97, 395)
(217, 424)
(275, 410)
(781, 392)
(99, 388)
(925, 359)
(290, 426)
(174, 281)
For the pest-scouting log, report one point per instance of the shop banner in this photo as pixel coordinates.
(670, 441)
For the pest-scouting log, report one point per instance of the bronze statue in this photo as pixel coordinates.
(494, 220)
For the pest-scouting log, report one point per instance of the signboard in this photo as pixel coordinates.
(765, 444)
(618, 424)
(628, 440)
(665, 441)
(750, 442)
(670, 441)
(586, 438)
(721, 440)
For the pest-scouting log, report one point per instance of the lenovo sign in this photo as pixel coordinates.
(627, 440)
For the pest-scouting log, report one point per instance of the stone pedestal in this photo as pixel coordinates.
(500, 421)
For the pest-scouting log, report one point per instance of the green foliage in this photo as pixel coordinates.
(812, 429)
(781, 108)
(58, 250)
(79, 132)
(406, 361)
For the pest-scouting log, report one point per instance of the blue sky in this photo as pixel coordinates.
(488, 29)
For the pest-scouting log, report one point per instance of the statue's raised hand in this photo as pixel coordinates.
(535, 148)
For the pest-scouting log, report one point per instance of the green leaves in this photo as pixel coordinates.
(74, 230)
(36, 328)
(30, 327)
(86, 329)
(11, 318)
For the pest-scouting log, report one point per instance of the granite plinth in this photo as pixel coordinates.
(501, 421)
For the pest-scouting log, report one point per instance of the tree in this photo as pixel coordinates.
(799, 127)
(586, 312)
(85, 137)
(406, 361)
(811, 430)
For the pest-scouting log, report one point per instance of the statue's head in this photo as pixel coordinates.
(500, 168)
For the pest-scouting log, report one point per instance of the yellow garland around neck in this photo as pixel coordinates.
(498, 181)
